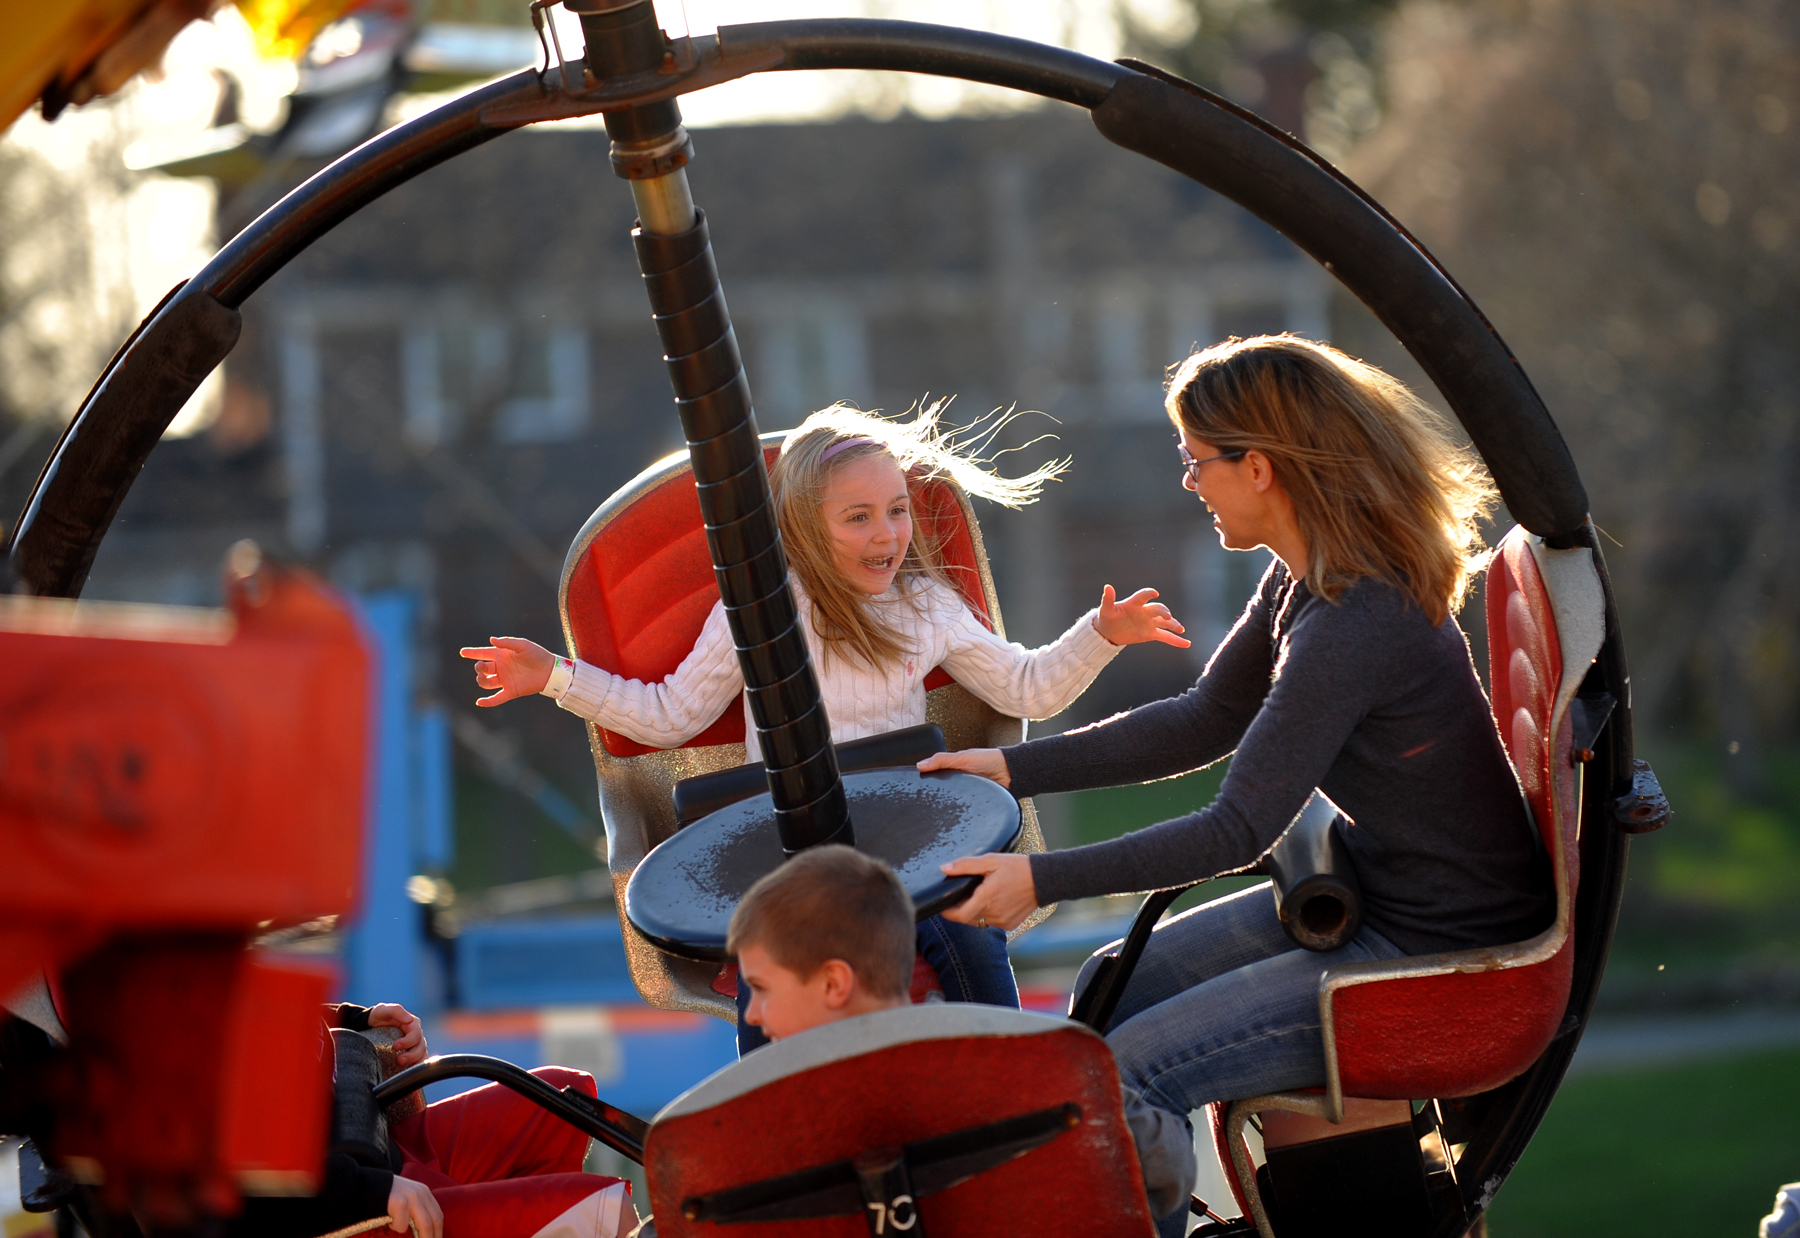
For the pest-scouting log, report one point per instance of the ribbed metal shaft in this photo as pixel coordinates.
(712, 395)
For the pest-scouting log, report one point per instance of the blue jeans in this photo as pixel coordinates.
(971, 964)
(1222, 1006)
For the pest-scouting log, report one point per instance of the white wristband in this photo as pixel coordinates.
(561, 676)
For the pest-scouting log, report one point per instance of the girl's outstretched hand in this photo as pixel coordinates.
(988, 762)
(1137, 619)
(512, 667)
(1006, 895)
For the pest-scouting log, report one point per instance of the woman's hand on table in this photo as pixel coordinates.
(1006, 895)
(510, 666)
(988, 762)
(1139, 618)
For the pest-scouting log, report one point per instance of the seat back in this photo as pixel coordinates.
(1463, 1022)
(637, 587)
(900, 1077)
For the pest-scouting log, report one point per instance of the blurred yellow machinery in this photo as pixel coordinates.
(70, 51)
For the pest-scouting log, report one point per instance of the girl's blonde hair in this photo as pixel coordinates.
(845, 617)
(1380, 485)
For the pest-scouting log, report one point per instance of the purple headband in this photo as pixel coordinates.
(846, 444)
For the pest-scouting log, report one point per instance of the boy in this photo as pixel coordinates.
(829, 936)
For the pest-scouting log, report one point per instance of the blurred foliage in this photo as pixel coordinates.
(1728, 853)
(1308, 66)
(1617, 184)
(502, 837)
(1696, 1150)
(1711, 915)
(1110, 811)
(65, 297)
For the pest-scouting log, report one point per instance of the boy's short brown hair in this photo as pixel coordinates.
(831, 902)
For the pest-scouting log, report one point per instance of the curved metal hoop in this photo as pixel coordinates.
(1136, 106)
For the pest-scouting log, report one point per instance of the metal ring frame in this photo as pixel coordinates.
(1135, 106)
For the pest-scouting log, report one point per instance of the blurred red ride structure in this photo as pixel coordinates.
(173, 782)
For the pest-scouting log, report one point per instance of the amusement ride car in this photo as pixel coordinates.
(1439, 1068)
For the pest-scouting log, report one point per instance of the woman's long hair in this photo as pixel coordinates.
(845, 617)
(1380, 485)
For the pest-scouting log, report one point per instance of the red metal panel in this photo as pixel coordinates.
(197, 1069)
(1084, 1183)
(177, 773)
(277, 1077)
(174, 780)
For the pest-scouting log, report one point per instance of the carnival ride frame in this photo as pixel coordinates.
(1134, 105)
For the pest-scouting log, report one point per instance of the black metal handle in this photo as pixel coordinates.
(1095, 1004)
(623, 1132)
(1316, 893)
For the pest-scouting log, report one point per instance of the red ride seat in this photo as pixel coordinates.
(897, 1080)
(636, 589)
(1464, 1022)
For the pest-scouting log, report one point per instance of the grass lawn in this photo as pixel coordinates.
(1111, 811)
(1696, 1150)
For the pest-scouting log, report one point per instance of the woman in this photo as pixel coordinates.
(1347, 672)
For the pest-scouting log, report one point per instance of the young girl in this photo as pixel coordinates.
(880, 613)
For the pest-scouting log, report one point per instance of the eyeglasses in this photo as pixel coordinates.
(1193, 466)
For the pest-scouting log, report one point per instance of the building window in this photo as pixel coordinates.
(534, 382)
(548, 401)
(807, 359)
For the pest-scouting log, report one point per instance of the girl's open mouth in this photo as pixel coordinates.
(883, 564)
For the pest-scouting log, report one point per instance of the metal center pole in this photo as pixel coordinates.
(650, 149)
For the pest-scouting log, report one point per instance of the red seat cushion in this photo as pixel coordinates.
(640, 593)
(1449, 1035)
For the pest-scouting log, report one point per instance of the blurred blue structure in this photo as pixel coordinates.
(550, 961)
(1061, 937)
(409, 818)
(433, 821)
(556, 990)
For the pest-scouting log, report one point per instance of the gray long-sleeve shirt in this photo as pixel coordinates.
(1367, 701)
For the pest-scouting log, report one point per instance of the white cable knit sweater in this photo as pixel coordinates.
(860, 700)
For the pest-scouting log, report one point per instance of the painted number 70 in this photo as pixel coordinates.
(898, 1213)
